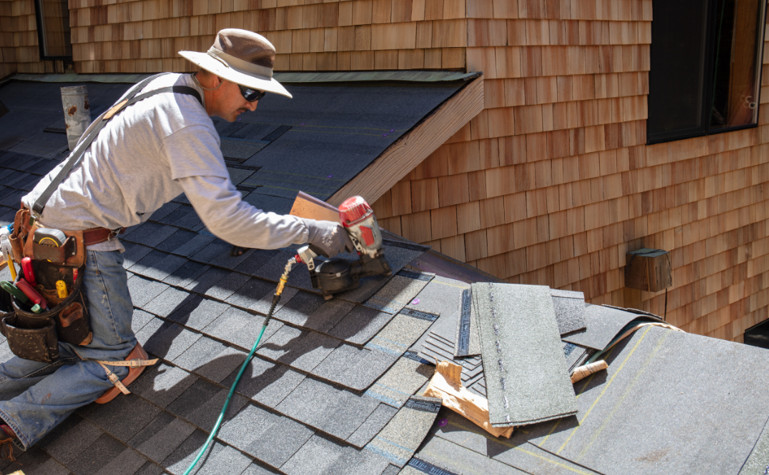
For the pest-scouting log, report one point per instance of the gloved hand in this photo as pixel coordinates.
(328, 237)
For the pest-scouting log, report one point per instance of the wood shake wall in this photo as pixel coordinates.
(18, 37)
(552, 183)
(19, 50)
(144, 36)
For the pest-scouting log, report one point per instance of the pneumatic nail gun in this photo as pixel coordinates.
(336, 275)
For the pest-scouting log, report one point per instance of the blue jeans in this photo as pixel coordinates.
(35, 397)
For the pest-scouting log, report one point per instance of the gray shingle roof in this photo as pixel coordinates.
(335, 385)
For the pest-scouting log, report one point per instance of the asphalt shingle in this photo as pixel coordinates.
(93, 458)
(170, 340)
(134, 253)
(373, 425)
(360, 325)
(144, 290)
(197, 312)
(202, 352)
(162, 383)
(406, 430)
(299, 349)
(122, 418)
(324, 407)
(151, 234)
(404, 378)
(167, 301)
(252, 293)
(186, 275)
(266, 382)
(278, 441)
(218, 283)
(297, 309)
(70, 438)
(177, 239)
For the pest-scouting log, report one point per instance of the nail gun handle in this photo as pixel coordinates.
(307, 254)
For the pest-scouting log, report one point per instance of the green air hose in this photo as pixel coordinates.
(275, 299)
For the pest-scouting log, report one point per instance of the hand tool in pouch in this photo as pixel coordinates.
(15, 292)
(38, 301)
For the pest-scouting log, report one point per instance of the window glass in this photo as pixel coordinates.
(736, 58)
(677, 76)
(705, 67)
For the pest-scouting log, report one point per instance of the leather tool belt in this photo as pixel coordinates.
(99, 235)
(58, 309)
(71, 252)
(36, 335)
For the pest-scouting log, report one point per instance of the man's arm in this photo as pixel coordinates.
(225, 214)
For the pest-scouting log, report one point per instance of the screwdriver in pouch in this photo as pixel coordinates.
(26, 268)
(14, 291)
(38, 302)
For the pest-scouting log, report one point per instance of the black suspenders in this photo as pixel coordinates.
(93, 130)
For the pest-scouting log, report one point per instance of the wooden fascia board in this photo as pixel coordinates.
(411, 149)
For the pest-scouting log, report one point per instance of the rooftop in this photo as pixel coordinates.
(336, 386)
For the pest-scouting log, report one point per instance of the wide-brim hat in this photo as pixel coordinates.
(240, 56)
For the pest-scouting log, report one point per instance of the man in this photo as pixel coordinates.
(146, 155)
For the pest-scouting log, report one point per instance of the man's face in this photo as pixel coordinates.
(228, 102)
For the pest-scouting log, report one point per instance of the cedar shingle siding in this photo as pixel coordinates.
(552, 183)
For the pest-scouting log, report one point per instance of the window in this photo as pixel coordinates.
(706, 58)
(53, 29)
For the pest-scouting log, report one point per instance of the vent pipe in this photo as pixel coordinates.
(77, 112)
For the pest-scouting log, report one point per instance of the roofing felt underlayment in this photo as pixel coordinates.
(336, 385)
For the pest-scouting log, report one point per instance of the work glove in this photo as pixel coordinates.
(328, 237)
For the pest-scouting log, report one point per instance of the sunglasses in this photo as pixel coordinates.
(251, 95)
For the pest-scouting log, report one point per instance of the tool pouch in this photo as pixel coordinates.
(70, 253)
(33, 341)
(35, 336)
(69, 313)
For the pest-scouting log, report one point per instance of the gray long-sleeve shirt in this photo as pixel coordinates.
(148, 154)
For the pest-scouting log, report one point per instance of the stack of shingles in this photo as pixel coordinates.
(339, 368)
(508, 340)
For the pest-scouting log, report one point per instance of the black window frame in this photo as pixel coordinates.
(42, 42)
(657, 75)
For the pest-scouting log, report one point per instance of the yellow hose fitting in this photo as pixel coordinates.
(284, 277)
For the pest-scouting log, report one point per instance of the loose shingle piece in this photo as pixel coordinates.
(527, 380)
(569, 310)
(603, 324)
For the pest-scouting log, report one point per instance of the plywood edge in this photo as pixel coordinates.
(411, 149)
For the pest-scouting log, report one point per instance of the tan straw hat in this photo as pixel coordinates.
(240, 56)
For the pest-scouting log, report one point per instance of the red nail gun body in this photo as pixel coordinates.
(338, 275)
